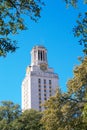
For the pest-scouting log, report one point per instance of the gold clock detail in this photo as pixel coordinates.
(43, 67)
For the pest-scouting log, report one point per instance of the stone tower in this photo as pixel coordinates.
(40, 81)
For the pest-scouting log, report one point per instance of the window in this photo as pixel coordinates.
(44, 81)
(39, 81)
(44, 90)
(39, 90)
(49, 82)
(45, 98)
(44, 86)
(44, 94)
(50, 91)
(39, 108)
(39, 94)
(39, 54)
(39, 98)
(43, 56)
(49, 87)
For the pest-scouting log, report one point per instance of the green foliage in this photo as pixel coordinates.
(11, 118)
(8, 113)
(74, 3)
(84, 116)
(71, 2)
(52, 115)
(11, 20)
(80, 30)
(68, 111)
(7, 45)
(61, 113)
(78, 84)
(29, 120)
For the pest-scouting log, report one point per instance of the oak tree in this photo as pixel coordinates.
(68, 110)
(12, 20)
(80, 29)
(8, 113)
(29, 120)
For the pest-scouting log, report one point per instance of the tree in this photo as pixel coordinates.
(52, 116)
(84, 117)
(29, 120)
(77, 89)
(60, 113)
(8, 113)
(77, 86)
(80, 29)
(12, 21)
(74, 2)
(11, 118)
(68, 110)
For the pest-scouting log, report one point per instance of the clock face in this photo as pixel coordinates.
(43, 67)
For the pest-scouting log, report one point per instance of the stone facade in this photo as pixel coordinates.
(40, 81)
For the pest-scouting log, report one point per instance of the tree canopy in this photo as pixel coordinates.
(8, 113)
(74, 3)
(12, 21)
(12, 118)
(29, 120)
(68, 110)
(80, 29)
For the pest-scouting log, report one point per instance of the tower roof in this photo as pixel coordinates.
(39, 46)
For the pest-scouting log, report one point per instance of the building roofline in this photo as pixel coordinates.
(39, 46)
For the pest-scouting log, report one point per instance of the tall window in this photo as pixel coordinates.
(50, 88)
(49, 82)
(39, 81)
(44, 81)
(43, 56)
(45, 93)
(39, 54)
(39, 93)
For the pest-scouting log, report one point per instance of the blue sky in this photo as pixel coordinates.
(54, 31)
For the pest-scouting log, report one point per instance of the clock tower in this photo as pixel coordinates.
(40, 81)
